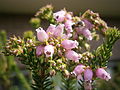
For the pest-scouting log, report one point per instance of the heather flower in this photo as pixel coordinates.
(51, 29)
(101, 73)
(88, 74)
(68, 16)
(79, 69)
(68, 26)
(59, 30)
(66, 36)
(69, 44)
(59, 16)
(72, 55)
(49, 50)
(42, 35)
(87, 34)
(39, 50)
(88, 24)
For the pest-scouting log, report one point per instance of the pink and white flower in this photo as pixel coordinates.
(68, 26)
(101, 73)
(60, 15)
(49, 50)
(68, 16)
(69, 44)
(79, 69)
(87, 34)
(51, 29)
(88, 74)
(39, 50)
(42, 35)
(59, 30)
(72, 55)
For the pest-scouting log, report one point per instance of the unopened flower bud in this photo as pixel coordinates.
(30, 41)
(51, 43)
(87, 46)
(19, 41)
(59, 61)
(52, 63)
(60, 53)
(15, 52)
(52, 72)
(63, 66)
(7, 47)
(66, 73)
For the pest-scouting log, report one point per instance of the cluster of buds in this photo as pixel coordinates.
(14, 46)
(45, 13)
(87, 56)
(95, 19)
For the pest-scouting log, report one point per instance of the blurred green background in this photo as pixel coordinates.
(15, 16)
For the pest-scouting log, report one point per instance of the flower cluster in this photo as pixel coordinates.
(63, 47)
(88, 73)
(61, 43)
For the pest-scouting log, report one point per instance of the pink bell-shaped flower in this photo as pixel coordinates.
(59, 16)
(88, 24)
(79, 69)
(39, 50)
(42, 35)
(51, 29)
(101, 73)
(68, 16)
(68, 26)
(49, 50)
(87, 33)
(72, 55)
(59, 30)
(69, 44)
(88, 74)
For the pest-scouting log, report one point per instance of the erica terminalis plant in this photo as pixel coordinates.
(63, 47)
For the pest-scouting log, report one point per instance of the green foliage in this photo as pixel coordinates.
(41, 82)
(104, 51)
(8, 67)
(69, 83)
(37, 65)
